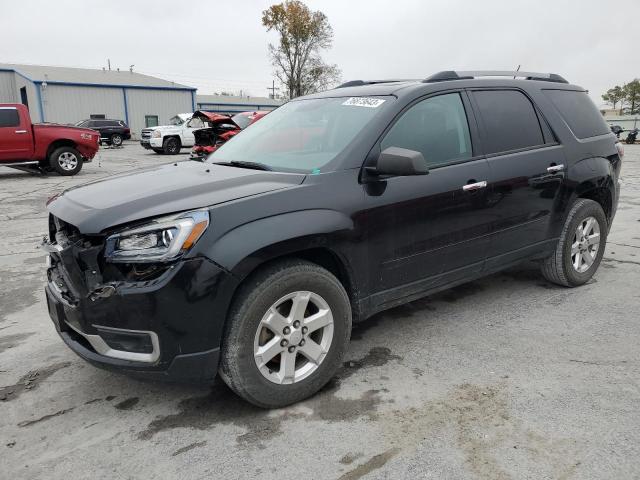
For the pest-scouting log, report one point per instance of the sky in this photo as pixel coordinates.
(215, 45)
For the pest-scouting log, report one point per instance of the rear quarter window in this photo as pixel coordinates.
(579, 112)
(9, 117)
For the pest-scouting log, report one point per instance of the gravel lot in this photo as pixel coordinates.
(506, 377)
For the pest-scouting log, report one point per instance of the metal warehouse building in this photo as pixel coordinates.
(68, 95)
(231, 105)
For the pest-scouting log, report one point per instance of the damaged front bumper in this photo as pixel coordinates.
(166, 327)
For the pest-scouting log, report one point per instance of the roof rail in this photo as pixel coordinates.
(469, 74)
(359, 83)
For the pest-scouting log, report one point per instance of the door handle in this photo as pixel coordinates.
(469, 187)
(21, 131)
(555, 168)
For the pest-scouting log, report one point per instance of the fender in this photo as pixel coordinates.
(594, 173)
(242, 249)
(588, 178)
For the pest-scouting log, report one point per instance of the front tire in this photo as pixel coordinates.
(171, 146)
(288, 330)
(66, 161)
(581, 245)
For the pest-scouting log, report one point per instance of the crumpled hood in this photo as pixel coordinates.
(99, 205)
(214, 118)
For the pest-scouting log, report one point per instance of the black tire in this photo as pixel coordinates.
(558, 268)
(158, 150)
(171, 146)
(238, 367)
(116, 140)
(61, 160)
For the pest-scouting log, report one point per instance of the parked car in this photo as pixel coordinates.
(112, 132)
(171, 138)
(220, 128)
(43, 146)
(333, 207)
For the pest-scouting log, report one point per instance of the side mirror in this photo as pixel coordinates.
(400, 162)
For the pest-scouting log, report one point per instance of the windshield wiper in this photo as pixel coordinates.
(241, 164)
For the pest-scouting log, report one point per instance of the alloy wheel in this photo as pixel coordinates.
(293, 337)
(586, 243)
(68, 161)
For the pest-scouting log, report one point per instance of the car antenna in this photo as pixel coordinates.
(517, 70)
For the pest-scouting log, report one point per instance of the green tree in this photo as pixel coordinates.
(614, 96)
(303, 34)
(632, 96)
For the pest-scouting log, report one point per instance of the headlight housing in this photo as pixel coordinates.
(156, 134)
(160, 240)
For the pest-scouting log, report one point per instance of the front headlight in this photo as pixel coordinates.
(161, 240)
(156, 134)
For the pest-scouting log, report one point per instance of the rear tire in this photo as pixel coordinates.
(577, 256)
(66, 161)
(171, 146)
(263, 319)
(116, 140)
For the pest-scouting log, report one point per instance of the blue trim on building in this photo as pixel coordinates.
(107, 85)
(126, 108)
(114, 85)
(17, 73)
(36, 85)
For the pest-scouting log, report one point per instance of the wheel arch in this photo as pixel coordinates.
(64, 142)
(601, 195)
(176, 136)
(594, 179)
(311, 237)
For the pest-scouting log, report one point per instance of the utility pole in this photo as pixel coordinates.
(109, 63)
(272, 88)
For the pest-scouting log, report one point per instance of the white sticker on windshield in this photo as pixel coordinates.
(364, 102)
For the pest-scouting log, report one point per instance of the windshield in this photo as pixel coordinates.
(301, 136)
(242, 120)
(176, 121)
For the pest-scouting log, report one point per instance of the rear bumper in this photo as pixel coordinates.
(182, 313)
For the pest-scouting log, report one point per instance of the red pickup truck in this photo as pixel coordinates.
(44, 146)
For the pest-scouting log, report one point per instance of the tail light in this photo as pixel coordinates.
(127, 130)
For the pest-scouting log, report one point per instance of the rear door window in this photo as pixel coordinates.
(509, 120)
(9, 117)
(579, 112)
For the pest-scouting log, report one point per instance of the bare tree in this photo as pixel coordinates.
(296, 58)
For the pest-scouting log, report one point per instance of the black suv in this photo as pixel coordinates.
(112, 132)
(335, 206)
